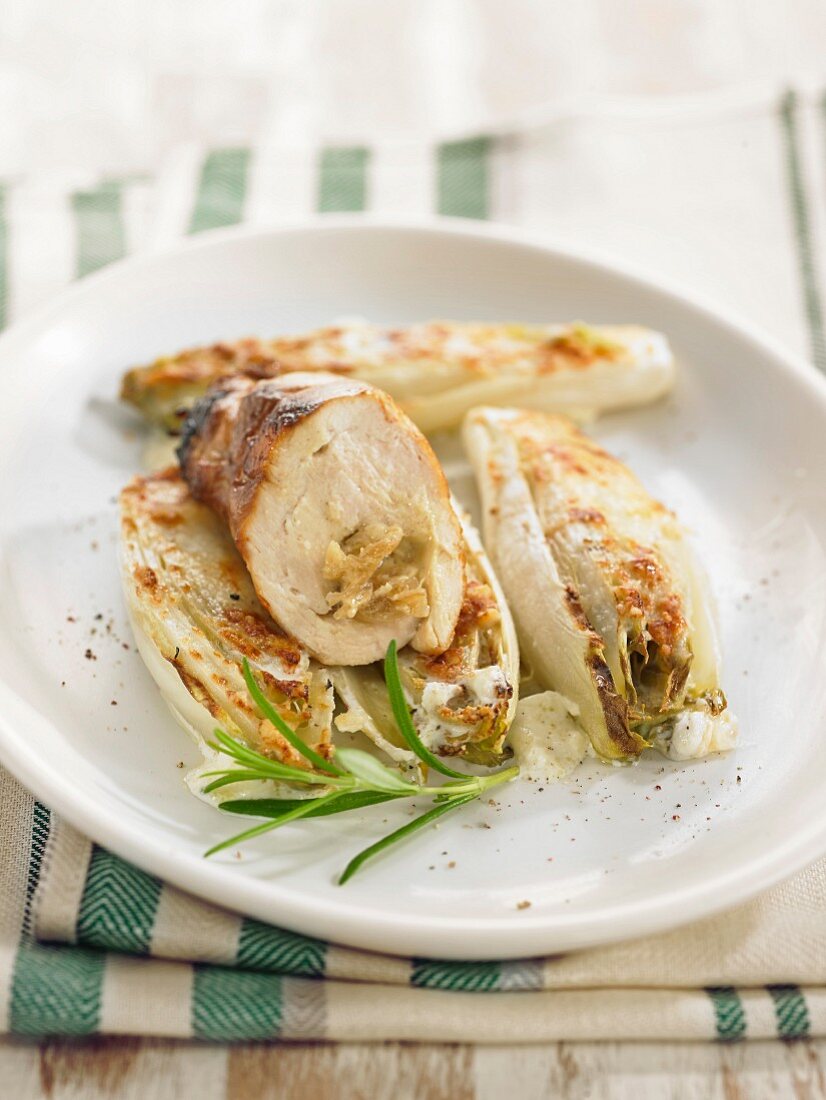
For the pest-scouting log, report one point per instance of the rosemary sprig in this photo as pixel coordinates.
(399, 834)
(356, 779)
(395, 693)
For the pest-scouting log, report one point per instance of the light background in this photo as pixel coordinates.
(113, 85)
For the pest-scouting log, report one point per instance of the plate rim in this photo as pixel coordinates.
(359, 925)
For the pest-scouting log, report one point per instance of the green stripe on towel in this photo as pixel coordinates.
(236, 1004)
(462, 188)
(222, 188)
(262, 947)
(729, 1014)
(342, 179)
(467, 977)
(101, 236)
(118, 906)
(41, 827)
(791, 1011)
(57, 990)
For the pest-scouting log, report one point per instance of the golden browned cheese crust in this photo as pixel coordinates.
(193, 370)
(206, 616)
(166, 389)
(163, 502)
(612, 605)
(642, 587)
(480, 609)
(412, 362)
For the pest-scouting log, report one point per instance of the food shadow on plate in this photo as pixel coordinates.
(111, 433)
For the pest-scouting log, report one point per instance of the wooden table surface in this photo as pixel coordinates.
(147, 1069)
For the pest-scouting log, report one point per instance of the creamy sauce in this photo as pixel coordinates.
(546, 738)
(484, 687)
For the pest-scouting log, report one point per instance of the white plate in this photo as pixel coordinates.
(612, 853)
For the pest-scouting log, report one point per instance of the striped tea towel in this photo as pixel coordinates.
(730, 200)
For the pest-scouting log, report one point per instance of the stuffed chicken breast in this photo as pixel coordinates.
(610, 605)
(337, 506)
(436, 370)
(196, 617)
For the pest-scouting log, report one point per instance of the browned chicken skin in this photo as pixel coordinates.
(339, 508)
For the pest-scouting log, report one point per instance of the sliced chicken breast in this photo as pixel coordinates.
(338, 507)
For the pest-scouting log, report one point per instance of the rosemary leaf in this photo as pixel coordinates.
(233, 775)
(270, 713)
(239, 775)
(403, 719)
(275, 807)
(372, 773)
(266, 826)
(267, 768)
(399, 834)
